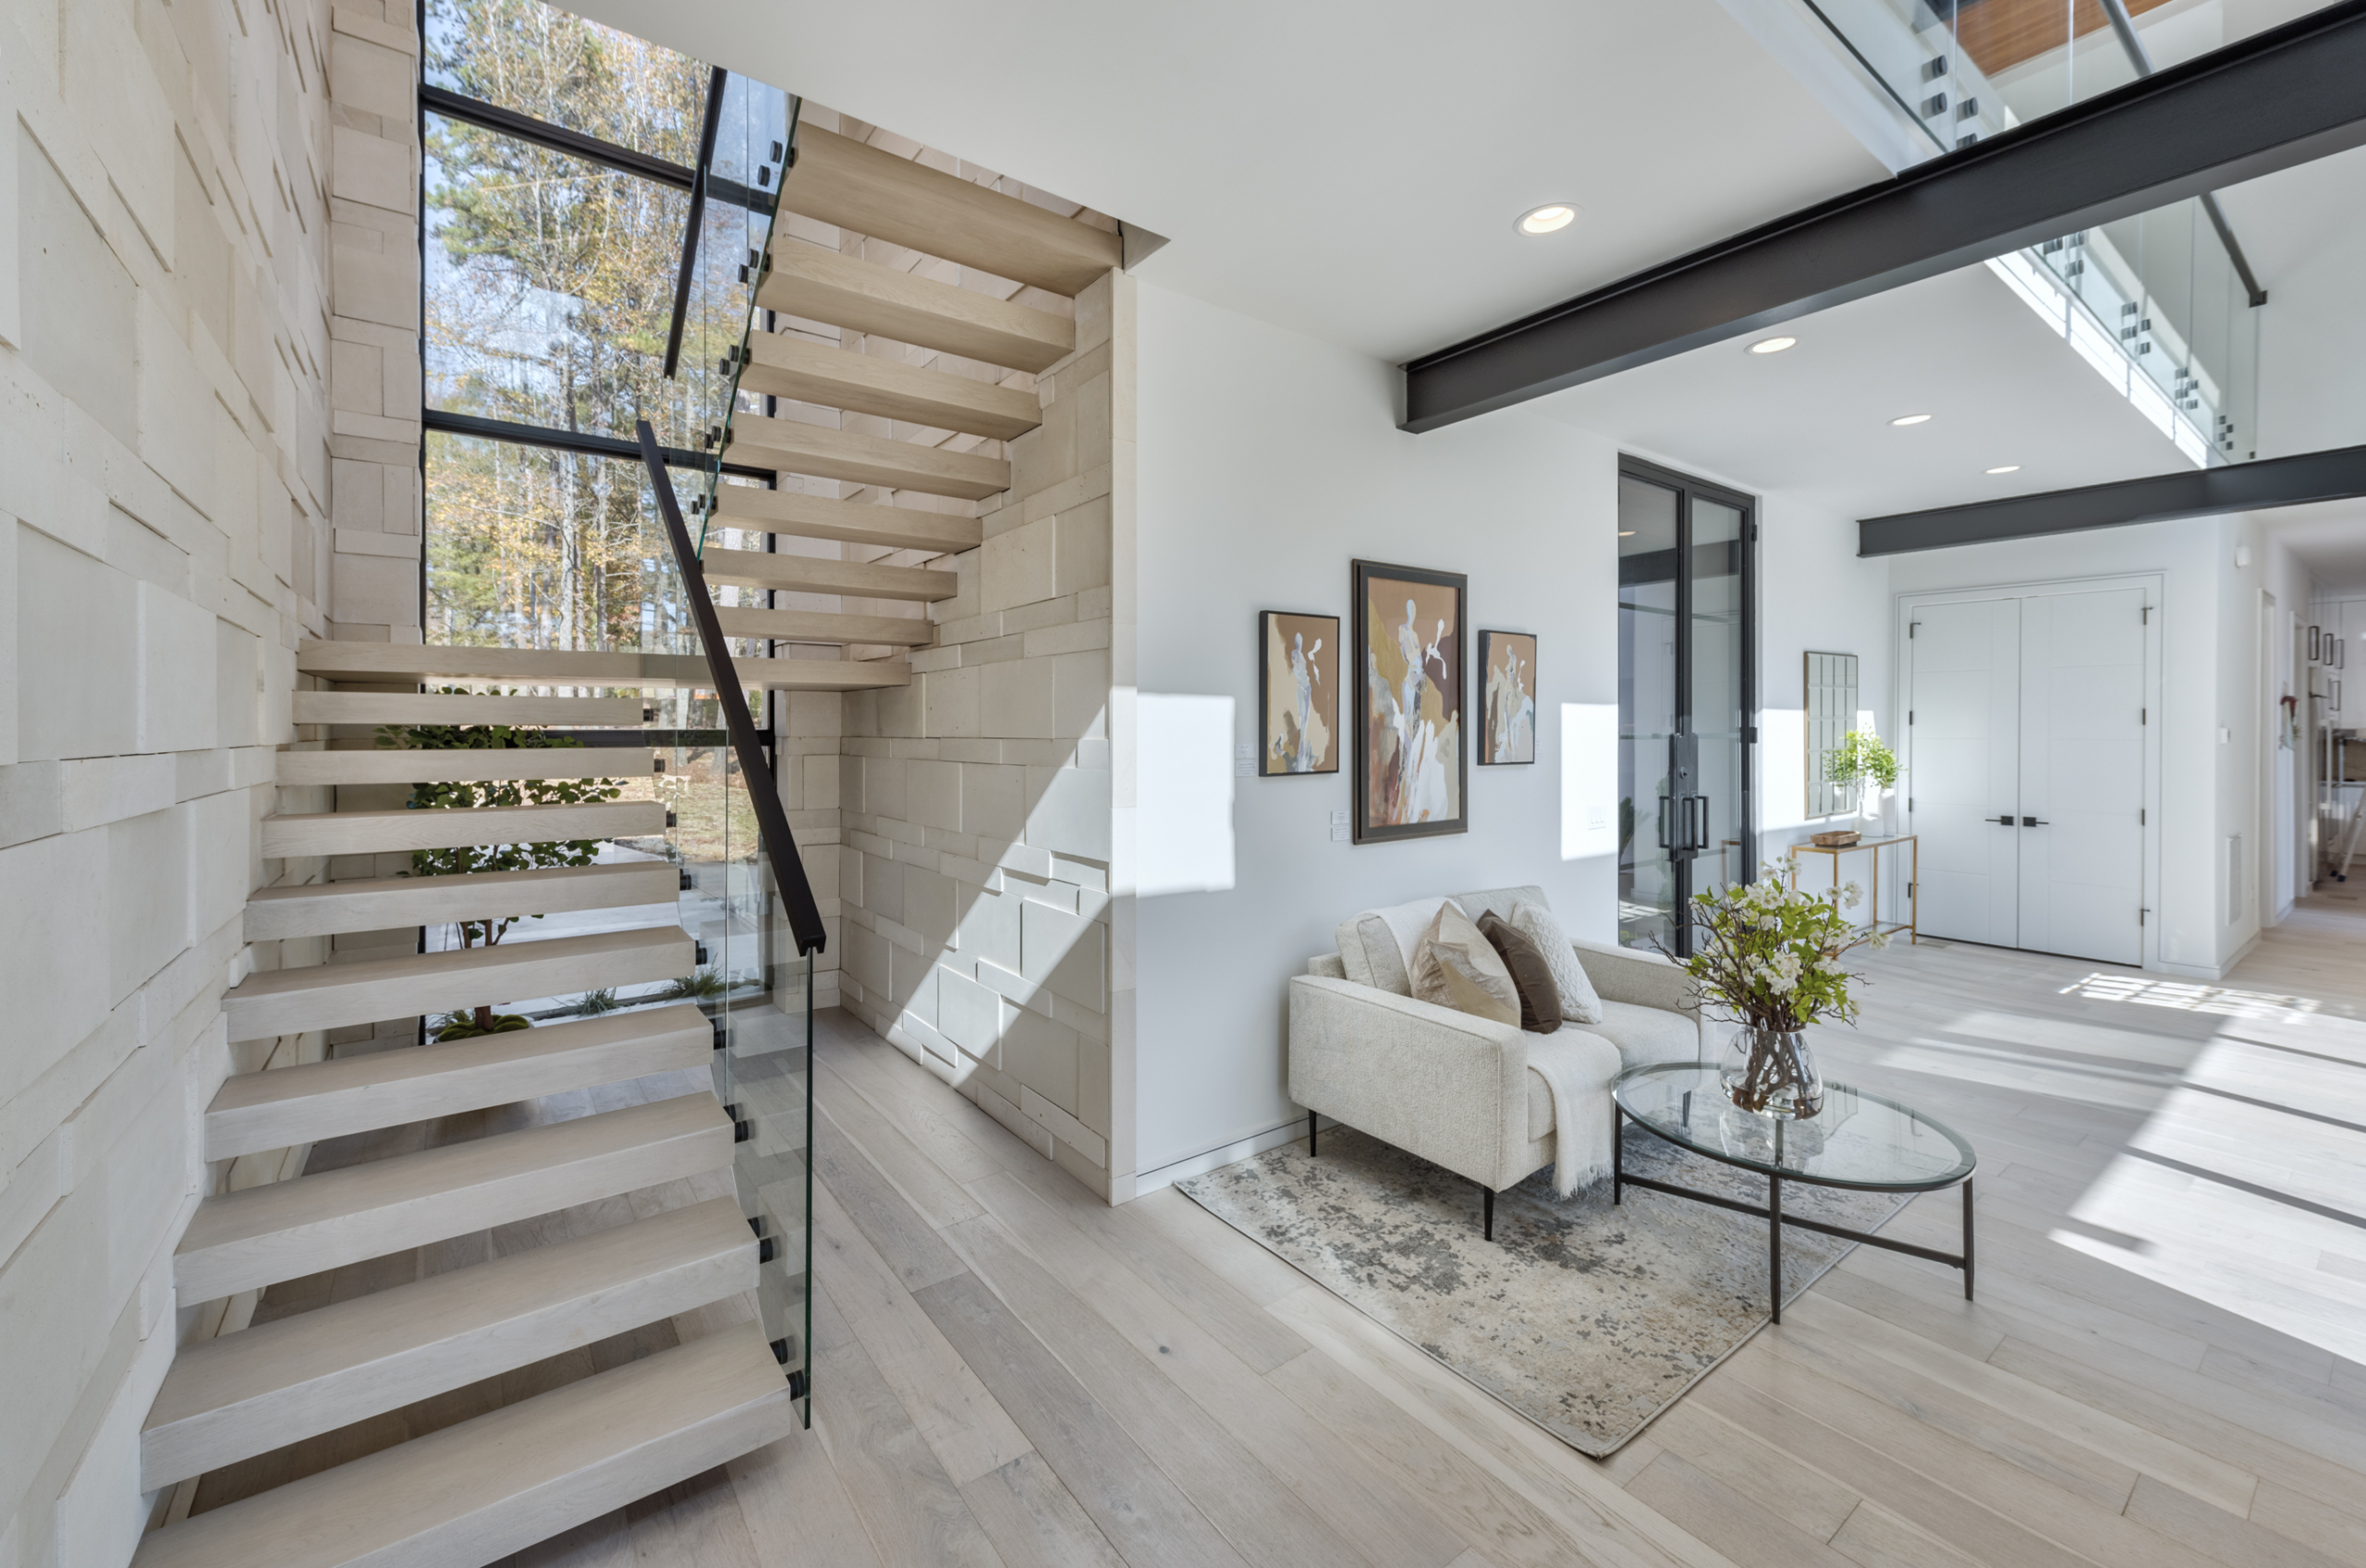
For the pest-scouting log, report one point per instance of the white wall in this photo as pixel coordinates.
(1268, 462)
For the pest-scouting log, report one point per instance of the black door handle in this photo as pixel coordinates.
(2000, 821)
(2034, 822)
(1663, 824)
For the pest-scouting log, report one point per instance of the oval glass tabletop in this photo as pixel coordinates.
(1858, 1140)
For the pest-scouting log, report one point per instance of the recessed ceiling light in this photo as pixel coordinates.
(1911, 420)
(1772, 345)
(1548, 218)
(2008, 468)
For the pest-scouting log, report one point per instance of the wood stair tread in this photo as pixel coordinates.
(288, 835)
(538, 666)
(480, 1490)
(245, 1393)
(283, 1230)
(793, 446)
(809, 573)
(823, 674)
(868, 384)
(445, 708)
(377, 904)
(839, 180)
(825, 626)
(328, 996)
(313, 1101)
(855, 522)
(828, 289)
(299, 769)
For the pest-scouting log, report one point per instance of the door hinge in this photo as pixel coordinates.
(2140, 915)
(1909, 805)
(2143, 715)
(1910, 715)
(2148, 615)
(2140, 816)
(1911, 628)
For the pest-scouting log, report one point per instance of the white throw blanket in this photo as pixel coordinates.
(1573, 1075)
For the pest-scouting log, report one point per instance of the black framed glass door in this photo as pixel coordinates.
(1687, 689)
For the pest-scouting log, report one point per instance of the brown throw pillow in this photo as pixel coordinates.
(1540, 998)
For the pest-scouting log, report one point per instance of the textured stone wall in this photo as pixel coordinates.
(189, 229)
(968, 814)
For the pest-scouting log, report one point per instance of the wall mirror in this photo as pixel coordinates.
(1831, 713)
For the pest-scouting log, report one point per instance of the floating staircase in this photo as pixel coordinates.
(928, 378)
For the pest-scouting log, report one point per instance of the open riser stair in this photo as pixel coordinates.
(877, 382)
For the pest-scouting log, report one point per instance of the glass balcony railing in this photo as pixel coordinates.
(2159, 304)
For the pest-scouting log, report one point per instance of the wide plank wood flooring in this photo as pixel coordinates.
(2166, 1367)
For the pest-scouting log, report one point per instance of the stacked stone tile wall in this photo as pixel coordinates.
(179, 196)
(965, 823)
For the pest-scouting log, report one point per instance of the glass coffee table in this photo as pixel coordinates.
(1859, 1141)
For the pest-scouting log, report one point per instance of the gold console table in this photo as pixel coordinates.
(1910, 925)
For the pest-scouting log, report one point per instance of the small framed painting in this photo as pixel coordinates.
(1508, 679)
(1297, 693)
(1411, 770)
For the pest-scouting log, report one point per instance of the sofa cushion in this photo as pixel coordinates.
(1579, 1004)
(1646, 1036)
(1497, 901)
(1376, 945)
(1455, 966)
(1540, 998)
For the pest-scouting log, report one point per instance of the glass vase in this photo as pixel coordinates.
(1770, 1072)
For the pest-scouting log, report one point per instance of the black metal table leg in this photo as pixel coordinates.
(1774, 1239)
(1967, 1238)
(1617, 1154)
(1310, 1134)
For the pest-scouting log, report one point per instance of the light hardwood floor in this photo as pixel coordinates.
(2164, 1368)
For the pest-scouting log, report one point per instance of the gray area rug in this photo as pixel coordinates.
(1587, 1319)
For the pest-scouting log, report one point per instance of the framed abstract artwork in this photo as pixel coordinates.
(1297, 693)
(1412, 771)
(1508, 697)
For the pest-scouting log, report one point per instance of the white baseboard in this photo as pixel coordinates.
(1215, 1159)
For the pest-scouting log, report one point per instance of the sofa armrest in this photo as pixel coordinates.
(1448, 1087)
(1647, 980)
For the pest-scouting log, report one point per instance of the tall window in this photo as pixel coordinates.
(557, 193)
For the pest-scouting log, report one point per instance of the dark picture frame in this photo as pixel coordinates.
(1499, 730)
(1406, 784)
(2315, 642)
(1316, 697)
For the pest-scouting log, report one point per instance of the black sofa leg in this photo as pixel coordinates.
(1488, 1207)
(1309, 1134)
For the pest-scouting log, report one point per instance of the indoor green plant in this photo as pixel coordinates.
(1862, 757)
(486, 932)
(1766, 955)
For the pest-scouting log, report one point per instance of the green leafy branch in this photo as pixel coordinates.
(1861, 755)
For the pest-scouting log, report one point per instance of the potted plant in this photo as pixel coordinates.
(1768, 957)
(1862, 759)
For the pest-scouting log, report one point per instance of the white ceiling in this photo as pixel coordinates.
(1354, 173)
(2330, 538)
(1350, 171)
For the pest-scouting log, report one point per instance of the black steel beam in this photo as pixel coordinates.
(2279, 98)
(584, 441)
(2338, 475)
(525, 127)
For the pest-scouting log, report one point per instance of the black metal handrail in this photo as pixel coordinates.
(771, 822)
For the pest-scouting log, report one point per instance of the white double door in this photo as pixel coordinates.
(2026, 761)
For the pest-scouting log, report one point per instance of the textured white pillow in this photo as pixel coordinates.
(1455, 966)
(1580, 1003)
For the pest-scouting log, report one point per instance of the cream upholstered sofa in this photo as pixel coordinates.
(1457, 1090)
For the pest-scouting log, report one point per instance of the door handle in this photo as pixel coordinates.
(2000, 821)
(1696, 835)
(1664, 803)
(2034, 822)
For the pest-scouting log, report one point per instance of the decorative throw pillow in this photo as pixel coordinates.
(1455, 967)
(1580, 1003)
(1540, 998)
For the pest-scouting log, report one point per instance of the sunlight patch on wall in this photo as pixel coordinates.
(1182, 829)
(1588, 780)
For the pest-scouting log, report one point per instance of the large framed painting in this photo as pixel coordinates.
(1507, 685)
(1412, 771)
(1297, 693)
